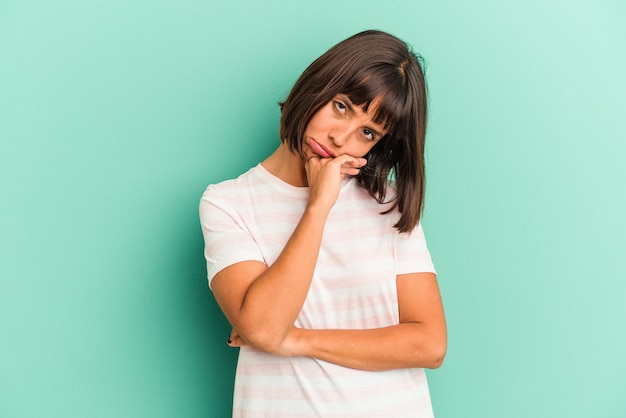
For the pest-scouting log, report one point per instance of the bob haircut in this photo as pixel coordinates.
(371, 65)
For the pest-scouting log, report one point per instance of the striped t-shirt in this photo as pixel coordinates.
(353, 287)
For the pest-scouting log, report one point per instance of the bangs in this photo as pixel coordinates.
(384, 88)
(380, 74)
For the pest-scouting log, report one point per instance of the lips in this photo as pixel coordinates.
(321, 150)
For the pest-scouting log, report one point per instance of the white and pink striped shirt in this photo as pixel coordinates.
(353, 287)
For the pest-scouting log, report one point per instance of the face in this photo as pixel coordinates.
(340, 127)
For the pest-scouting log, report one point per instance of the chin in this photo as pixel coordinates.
(307, 153)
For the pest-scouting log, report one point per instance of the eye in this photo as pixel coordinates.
(341, 108)
(369, 134)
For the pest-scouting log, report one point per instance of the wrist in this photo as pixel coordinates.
(317, 210)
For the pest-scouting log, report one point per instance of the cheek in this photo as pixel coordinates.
(322, 121)
(359, 150)
(367, 146)
(313, 126)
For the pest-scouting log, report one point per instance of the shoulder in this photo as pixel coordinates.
(231, 190)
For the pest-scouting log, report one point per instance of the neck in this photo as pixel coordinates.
(287, 166)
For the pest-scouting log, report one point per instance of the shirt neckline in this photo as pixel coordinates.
(282, 185)
(278, 183)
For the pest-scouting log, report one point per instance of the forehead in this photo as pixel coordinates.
(368, 110)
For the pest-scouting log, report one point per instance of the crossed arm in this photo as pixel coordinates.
(262, 304)
(419, 340)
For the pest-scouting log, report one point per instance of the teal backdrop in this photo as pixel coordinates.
(115, 116)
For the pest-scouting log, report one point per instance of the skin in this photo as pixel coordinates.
(336, 138)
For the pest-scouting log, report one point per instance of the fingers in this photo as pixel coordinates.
(352, 165)
(350, 171)
(349, 161)
(234, 340)
(324, 177)
(345, 161)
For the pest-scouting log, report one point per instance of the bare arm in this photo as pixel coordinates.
(247, 292)
(419, 340)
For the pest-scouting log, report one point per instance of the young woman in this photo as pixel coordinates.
(317, 257)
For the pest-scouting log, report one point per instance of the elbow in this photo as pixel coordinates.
(265, 340)
(437, 353)
(261, 333)
(437, 361)
(429, 351)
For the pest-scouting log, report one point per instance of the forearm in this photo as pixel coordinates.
(400, 346)
(273, 301)
(262, 302)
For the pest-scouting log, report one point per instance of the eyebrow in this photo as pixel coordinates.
(350, 107)
(346, 101)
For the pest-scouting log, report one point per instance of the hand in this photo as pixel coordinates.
(287, 348)
(324, 176)
(235, 340)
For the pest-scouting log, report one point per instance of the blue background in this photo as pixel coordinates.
(114, 117)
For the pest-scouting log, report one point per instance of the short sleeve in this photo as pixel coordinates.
(226, 239)
(412, 255)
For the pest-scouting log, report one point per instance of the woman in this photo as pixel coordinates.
(316, 256)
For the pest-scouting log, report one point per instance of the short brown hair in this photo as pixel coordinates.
(366, 66)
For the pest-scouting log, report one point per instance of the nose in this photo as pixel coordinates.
(339, 134)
